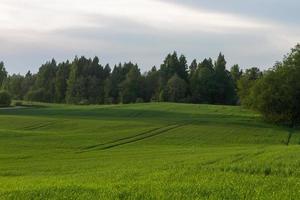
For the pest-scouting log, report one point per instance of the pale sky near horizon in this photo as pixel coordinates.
(249, 33)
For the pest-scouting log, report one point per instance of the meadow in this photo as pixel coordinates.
(146, 151)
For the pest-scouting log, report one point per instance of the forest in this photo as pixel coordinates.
(274, 92)
(85, 81)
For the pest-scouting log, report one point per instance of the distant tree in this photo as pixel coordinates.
(172, 65)
(182, 70)
(151, 85)
(177, 89)
(46, 80)
(225, 93)
(245, 83)
(61, 81)
(86, 81)
(193, 67)
(28, 83)
(202, 83)
(5, 99)
(236, 73)
(95, 82)
(14, 85)
(3, 74)
(277, 94)
(106, 71)
(131, 86)
(114, 81)
(38, 95)
(75, 82)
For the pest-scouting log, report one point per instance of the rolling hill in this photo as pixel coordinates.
(145, 151)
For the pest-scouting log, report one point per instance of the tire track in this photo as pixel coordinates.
(38, 125)
(121, 139)
(132, 139)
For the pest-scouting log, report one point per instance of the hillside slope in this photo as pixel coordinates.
(145, 151)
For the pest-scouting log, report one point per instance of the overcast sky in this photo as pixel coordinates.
(249, 32)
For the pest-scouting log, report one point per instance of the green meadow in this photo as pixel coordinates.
(145, 151)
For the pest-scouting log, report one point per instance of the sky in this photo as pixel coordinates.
(251, 33)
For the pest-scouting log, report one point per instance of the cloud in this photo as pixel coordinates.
(55, 14)
(33, 31)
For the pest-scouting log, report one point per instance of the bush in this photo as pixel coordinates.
(84, 102)
(108, 101)
(5, 99)
(277, 94)
(19, 103)
(139, 100)
(36, 95)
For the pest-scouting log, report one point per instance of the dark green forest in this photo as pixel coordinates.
(274, 92)
(86, 81)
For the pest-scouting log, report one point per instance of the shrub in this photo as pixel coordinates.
(108, 101)
(18, 103)
(5, 99)
(276, 95)
(139, 100)
(84, 102)
(37, 95)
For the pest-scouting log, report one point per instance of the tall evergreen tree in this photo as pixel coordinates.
(177, 89)
(225, 90)
(45, 81)
(236, 73)
(193, 67)
(245, 84)
(61, 81)
(182, 70)
(151, 85)
(203, 85)
(3, 74)
(131, 86)
(28, 83)
(14, 85)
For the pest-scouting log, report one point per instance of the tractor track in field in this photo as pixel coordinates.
(38, 125)
(131, 139)
(121, 139)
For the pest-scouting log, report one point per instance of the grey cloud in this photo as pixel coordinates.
(274, 10)
(120, 40)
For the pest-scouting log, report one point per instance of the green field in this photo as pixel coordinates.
(145, 151)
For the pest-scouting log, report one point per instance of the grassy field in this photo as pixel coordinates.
(145, 151)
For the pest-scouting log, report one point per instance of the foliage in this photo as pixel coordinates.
(19, 85)
(177, 89)
(3, 74)
(38, 95)
(86, 80)
(131, 86)
(245, 84)
(5, 99)
(225, 90)
(203, 82)
(212, 83)
(45, 81)
(277, 94)
(236, 74)
(61, 81)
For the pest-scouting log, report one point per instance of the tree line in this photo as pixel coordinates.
(86, 81)
(275, 92)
